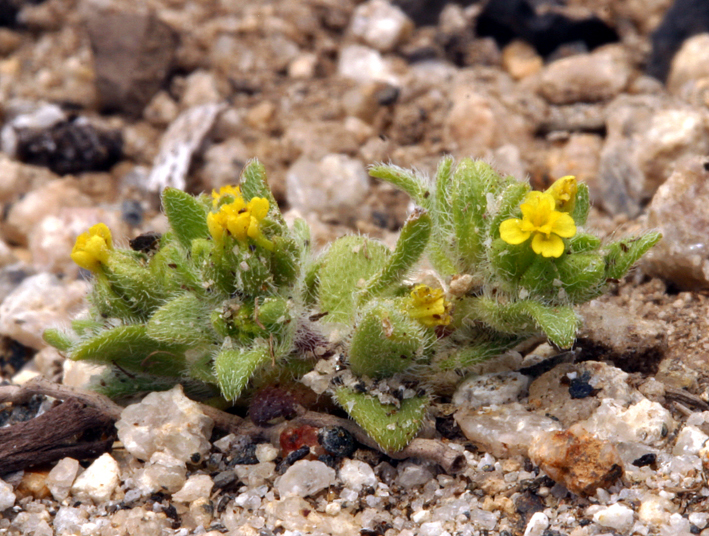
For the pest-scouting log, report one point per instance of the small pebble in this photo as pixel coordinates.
(615, 516)
(537, 524)
(412, 475)
(7, 496)
(356, 475)
(337, 441)
(196, 487)
(98, 481)
(61, 478)
(244, 456)
(165, 421)
(305, 478)
(265, 452)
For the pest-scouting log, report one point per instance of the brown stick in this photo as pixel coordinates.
(434, 450)
(687, 399)
(50, 436)
(42, 386)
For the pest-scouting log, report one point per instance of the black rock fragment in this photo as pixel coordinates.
(645, 460)
(146, 242)
(506, 20)
(337, 441)
(426, 12)
(73, 146)
(684, 19)
(580, 388)
(10, 8)
(244, 455)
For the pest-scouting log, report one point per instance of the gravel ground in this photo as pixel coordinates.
(103, 103)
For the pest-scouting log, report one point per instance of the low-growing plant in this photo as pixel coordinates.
(232, 299)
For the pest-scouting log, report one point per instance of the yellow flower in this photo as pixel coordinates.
(540, 220)
(242, 220)
(429, 306)
(225, 193)
(216, 223)
(93, 247)
(564, 193)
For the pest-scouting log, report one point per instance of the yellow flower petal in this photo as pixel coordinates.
(238, 225)
(551, 246)
(253, 231)
(564, 226)
(542, 221)
(216, 225)
(102, 230)
(564, 193)
(258, 206)
(232, 191)
(513, 231)
(429, 306)
(93, 247)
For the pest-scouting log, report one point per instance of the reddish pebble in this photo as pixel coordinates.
(293, 438)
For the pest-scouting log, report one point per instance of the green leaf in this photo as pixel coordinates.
(202, 368)
(510, 262)
(187, 216)
(115, 384)
(255, 184)
(541, 278)
(621, 255)
(311, 281)
(235, 366)
(344, 271)
(468, 204)
(385, 341)
(510, 200)
(582, 206)
(301, 233)
(441, 249)
(61, 340)
(130, 348)
(183, 320)
(484, 347)
(175, 271)
(411, 244)
(583, 243)
(403, 179)
(444, 182)
(391, 427)
(559, 323)
(582, 275)
(285, 261)
(109, 304)
(135, 284)
(475, 183)
(85, 327)
(252, 272)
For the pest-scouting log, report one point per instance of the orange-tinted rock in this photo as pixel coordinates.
(577, 460)
(34, 484)
(293, 438)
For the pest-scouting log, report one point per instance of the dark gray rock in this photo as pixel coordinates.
(133, 53)
(683, 20)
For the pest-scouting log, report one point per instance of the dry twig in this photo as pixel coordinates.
(434, 450)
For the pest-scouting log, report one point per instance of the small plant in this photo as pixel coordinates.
(232, 299)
